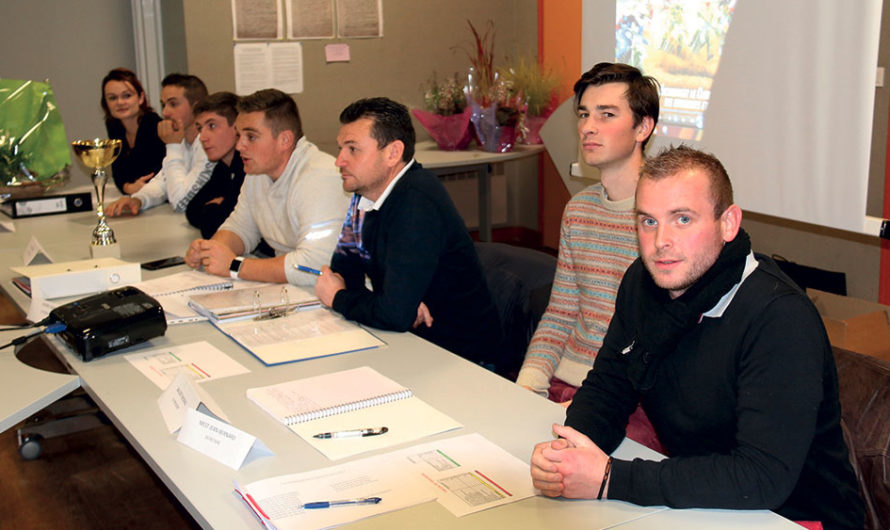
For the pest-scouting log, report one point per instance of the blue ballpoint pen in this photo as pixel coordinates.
(310, 270)
(350, 502)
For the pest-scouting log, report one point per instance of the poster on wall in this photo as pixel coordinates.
(359, 18)
(310, 19)
(256, 20)
(260, 65)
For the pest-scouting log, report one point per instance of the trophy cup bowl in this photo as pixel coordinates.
(97, 155)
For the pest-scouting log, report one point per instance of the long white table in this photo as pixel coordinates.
(483, 402)
(26, 390)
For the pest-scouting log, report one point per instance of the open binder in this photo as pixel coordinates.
(298, 335)
(265, 301)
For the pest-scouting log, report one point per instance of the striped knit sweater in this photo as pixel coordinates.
(598, 241)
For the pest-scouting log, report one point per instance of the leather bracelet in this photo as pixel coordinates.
(608, 470)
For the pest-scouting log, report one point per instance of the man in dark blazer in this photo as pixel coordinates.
(403, 232)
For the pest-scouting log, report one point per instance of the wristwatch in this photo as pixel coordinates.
(235, 267)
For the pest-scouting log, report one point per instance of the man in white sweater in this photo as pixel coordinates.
(291, 197)
(185, 168)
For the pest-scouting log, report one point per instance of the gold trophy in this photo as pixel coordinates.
(97, 155)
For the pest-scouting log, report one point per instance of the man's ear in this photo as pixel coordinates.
(644, 129)
(286, 139)
(394, 152)
(730, 222)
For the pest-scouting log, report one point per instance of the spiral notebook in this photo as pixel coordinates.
(360, 398)
(172, 292)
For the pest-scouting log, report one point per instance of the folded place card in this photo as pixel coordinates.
(219, 440)
(202, 425)
(183, 394)
(35, 254)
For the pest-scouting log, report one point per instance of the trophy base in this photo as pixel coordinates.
(105, 251)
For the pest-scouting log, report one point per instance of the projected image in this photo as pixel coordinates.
(678, 42)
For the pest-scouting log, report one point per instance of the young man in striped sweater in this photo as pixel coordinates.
(617, 109)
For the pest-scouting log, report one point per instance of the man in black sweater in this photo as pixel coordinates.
(729, 360)
(403, 232)
(215, 119)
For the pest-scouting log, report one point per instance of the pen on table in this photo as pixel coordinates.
(353, 433)
(350, 502)
(310, 270)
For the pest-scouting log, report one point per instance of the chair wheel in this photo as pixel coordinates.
(30, 447)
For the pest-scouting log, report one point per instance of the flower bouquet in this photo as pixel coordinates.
(540, 90)
(447, 117)
(496, 109)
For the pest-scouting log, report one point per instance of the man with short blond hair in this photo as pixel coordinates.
(290, 198)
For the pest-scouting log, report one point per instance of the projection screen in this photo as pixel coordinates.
(781, 92)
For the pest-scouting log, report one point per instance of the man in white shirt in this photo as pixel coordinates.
(185, 168)
(290, 197)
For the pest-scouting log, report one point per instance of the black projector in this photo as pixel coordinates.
(105, 322)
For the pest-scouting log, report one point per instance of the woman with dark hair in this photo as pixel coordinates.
(130, 119)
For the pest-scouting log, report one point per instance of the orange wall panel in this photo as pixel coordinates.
(559, 49)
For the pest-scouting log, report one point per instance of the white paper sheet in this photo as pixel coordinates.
(201, 360)
(268, 65)
(465, 474)
(471, 473)
(281, 498)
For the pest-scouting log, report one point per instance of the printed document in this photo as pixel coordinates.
(465, 474)
(200, 360)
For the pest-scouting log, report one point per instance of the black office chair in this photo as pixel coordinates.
(807, 277)
(520, 280)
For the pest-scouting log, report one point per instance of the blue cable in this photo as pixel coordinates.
(51, 329)
(54, 328)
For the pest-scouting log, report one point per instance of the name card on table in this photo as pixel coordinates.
(219, 440)
(183, 394)
(187, 407)
(35, 254)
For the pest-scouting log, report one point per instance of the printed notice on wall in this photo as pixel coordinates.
(256, 19)
(359, 18)
(310, 19)
(268, 65)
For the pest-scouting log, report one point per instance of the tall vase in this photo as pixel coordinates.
(492, 137)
